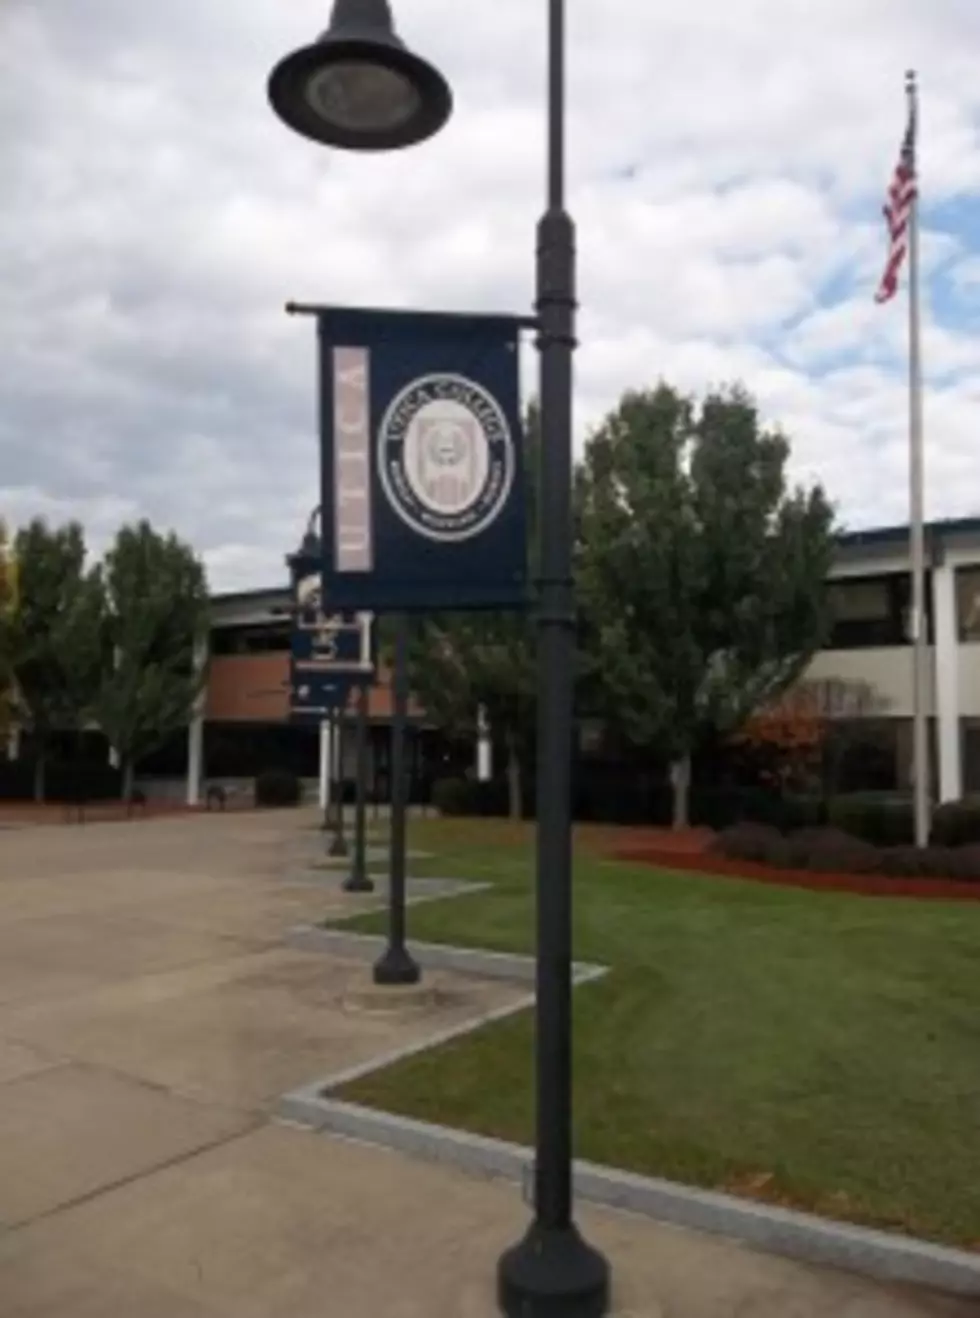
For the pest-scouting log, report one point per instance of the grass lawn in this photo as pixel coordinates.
(821, 1051)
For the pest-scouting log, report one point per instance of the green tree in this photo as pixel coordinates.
(8, 606)
(52, 635)
(157, 612)
(701, 573)
(460, 662)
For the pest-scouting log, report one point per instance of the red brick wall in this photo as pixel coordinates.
(253, 688)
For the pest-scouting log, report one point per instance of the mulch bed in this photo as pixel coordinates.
(864, 885)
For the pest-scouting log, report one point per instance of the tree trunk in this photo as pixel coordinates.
(680, 779)
(127, 782)
(515, 796)
(39, 775)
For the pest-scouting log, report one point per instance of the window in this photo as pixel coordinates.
(968, 603)
(872, 611)
(262, 639)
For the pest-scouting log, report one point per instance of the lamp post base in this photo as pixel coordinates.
(337, 848)
(553, 1274)
(397, 966)
(358, 883)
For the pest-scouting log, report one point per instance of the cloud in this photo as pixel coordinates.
(727, 165)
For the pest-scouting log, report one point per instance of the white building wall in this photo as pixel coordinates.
(947, 683)
(888, 671)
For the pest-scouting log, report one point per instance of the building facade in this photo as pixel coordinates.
(242, 723)
(870, 595)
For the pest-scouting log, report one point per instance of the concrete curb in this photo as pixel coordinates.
(514, 967)
(419, 891)
(781, 1231)
(880, 1254)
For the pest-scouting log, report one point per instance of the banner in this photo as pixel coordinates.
(422, 461)
(330, 653)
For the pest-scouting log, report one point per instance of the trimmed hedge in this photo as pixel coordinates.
(956, 823)
(64, 781)
(825, 850)
(747, 841)
(451, 796)
(279, 788)
(831, 851)
(466, 797)
(884, 819)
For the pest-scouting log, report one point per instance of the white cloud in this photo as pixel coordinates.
(727, 164)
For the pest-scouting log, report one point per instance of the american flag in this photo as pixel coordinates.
(902, 192)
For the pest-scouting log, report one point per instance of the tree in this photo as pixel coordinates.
(53, 635)
(156, 613)
(806, 732)
(8, 607)
(702, 575)
(460, 662)
(789, 732)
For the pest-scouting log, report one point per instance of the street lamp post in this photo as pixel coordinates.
(338, 843)
(358, 88)
(359, 881)
(397, 965)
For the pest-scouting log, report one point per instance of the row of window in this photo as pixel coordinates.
(876, 611)
(866, 612)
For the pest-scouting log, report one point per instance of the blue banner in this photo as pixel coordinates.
(422, 453)
(331, 654)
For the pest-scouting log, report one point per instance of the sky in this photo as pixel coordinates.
(727, 166)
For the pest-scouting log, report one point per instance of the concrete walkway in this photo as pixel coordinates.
(150, 1016)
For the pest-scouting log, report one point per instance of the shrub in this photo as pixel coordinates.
(826, 851)
(747, 841)
(722, 807)
(917, 862)
(956, 823)
(278, 788)
(881, 818)
(451, 796)
(964, 863)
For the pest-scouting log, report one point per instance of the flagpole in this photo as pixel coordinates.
(920, 635)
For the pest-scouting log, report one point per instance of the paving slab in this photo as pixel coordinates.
(58, 955)
(68, 1132)
(283, 1222)
(17, 1061)
(242, 1032)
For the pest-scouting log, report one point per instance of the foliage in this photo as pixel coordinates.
(8, 608)
(747, 841)
(278, 788)
(789, 731)
(157, 612)
(956, 823)
(701, 573)
(883, 818)
(54, 634)
(831, 851)
(827, 850)
(450, 796)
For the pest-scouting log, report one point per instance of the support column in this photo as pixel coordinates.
(195, 730)
(325, 749)
(484, 747)
(947, 683)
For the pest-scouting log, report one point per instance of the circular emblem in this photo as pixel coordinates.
(446, 457)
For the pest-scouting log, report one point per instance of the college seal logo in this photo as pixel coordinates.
(446, 457)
